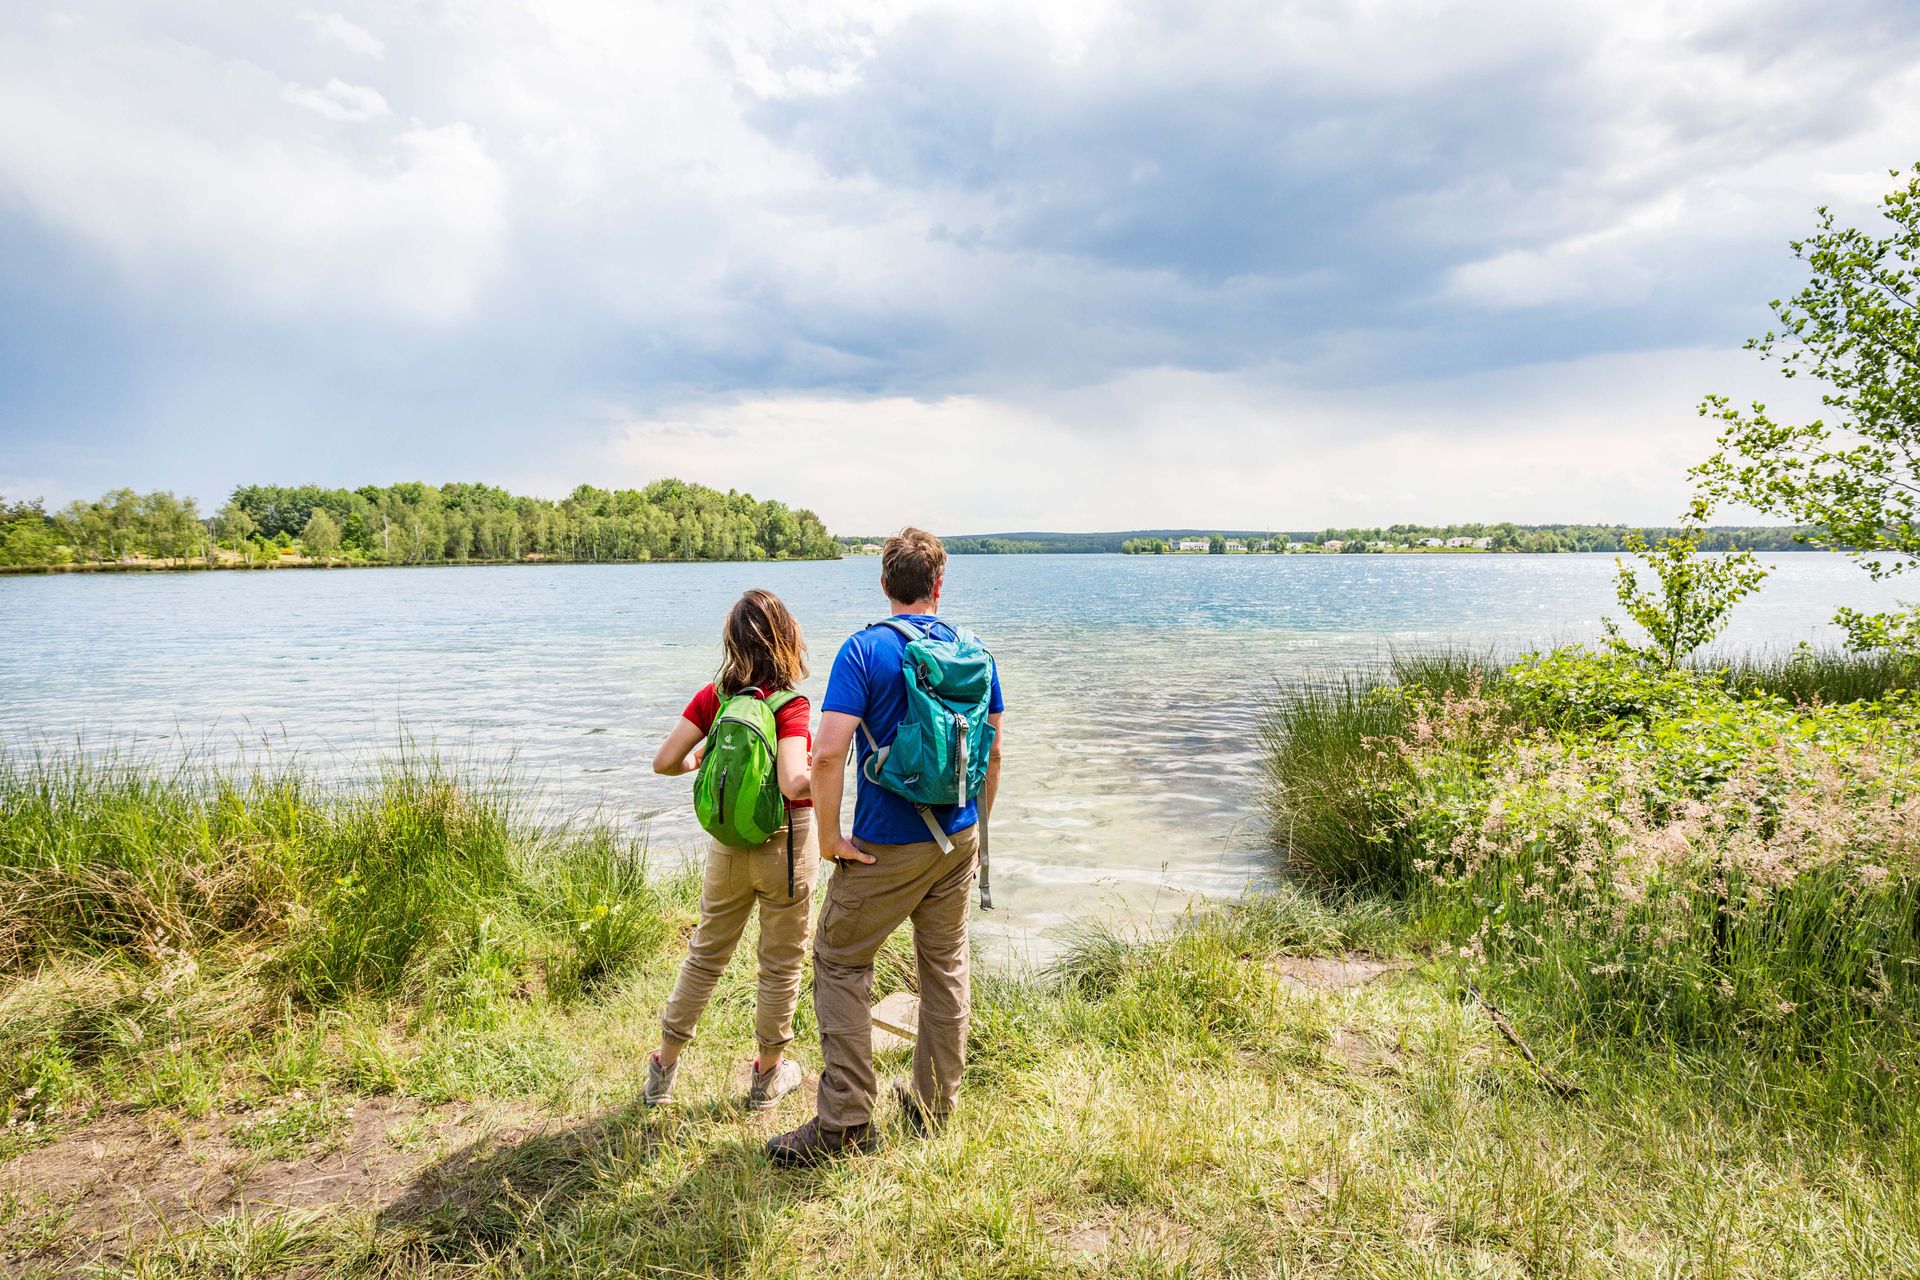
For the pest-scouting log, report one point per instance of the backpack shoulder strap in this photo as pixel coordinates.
(781, 699)
(907, 630)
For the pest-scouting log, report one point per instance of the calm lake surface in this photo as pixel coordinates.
(1133, 684)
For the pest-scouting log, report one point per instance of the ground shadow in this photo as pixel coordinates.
(594, 1190)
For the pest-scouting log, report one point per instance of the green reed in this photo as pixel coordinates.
(351, 888)
(1335, 788)
(1809, 675)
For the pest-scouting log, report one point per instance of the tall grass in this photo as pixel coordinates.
(1334, 796)
(1161, 1103)
(1805, 676)
(1335, 780)
(350, 889)
(1670, 859)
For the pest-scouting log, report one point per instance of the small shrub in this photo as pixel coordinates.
(1694, 598)
(40, 1079)
(594, 892)
(1577, 689)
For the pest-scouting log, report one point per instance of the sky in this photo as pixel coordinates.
(976, 266)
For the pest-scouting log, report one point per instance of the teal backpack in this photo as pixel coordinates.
(939, 754)
(736, 795)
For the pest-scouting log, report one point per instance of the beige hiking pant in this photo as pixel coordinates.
(866, 902)
(736, 881)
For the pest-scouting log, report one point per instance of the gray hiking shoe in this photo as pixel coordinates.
(771, 1086)
(659, 1090)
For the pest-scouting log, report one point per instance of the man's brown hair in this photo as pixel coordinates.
(911, 565)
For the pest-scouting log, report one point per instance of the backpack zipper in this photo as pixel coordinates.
(960, 745)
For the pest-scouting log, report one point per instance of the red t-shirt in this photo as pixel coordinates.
(789, 721)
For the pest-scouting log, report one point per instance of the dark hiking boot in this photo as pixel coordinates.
(815, 1143)
(922, 1122)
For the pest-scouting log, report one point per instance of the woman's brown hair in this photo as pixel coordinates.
(763, 646)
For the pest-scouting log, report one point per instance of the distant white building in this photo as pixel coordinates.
(1191, 544)
(1459, 542)
(1377, 546)
(1299, 546)
(1234, 544)
(870, 548)
(1483, 543)
(1432, 542)
(1332, 544)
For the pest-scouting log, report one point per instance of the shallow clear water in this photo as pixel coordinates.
(1133, 683)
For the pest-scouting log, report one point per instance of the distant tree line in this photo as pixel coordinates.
(1547, 538)
(1503, 536)
(414, 523)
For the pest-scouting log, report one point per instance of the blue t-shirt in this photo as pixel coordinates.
(867, 681)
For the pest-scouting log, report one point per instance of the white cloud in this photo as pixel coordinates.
(1129, 247)
(1600, 438)
(335, 29)
(338, 100)
(191, 174)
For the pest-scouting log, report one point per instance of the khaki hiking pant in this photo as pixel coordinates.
(866, 902)
(736, 881)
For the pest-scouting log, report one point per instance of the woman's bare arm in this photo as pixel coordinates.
(680, 753)
(796, 770)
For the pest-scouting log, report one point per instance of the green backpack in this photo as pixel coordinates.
(736, 795)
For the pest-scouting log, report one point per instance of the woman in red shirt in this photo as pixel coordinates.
(764, 655)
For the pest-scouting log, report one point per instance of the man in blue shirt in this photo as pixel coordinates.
(894, 869)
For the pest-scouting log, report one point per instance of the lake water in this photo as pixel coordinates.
(1133, 683)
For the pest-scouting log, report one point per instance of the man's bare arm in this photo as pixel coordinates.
(991, 787)
(830, 747)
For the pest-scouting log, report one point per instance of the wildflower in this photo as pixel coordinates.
(1873, 876)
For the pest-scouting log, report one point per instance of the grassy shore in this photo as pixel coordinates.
(1720, 865)
(253, 1026)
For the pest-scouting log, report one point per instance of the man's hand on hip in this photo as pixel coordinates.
(837, 848)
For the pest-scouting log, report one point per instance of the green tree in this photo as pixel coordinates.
(24, 542)
(1217, 545)
(169, 528)
(1855, 479)
(235, 527)
(321, 537)
(1693, 601)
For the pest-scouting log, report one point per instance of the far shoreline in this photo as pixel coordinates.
(271, 566)
(278, 566)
